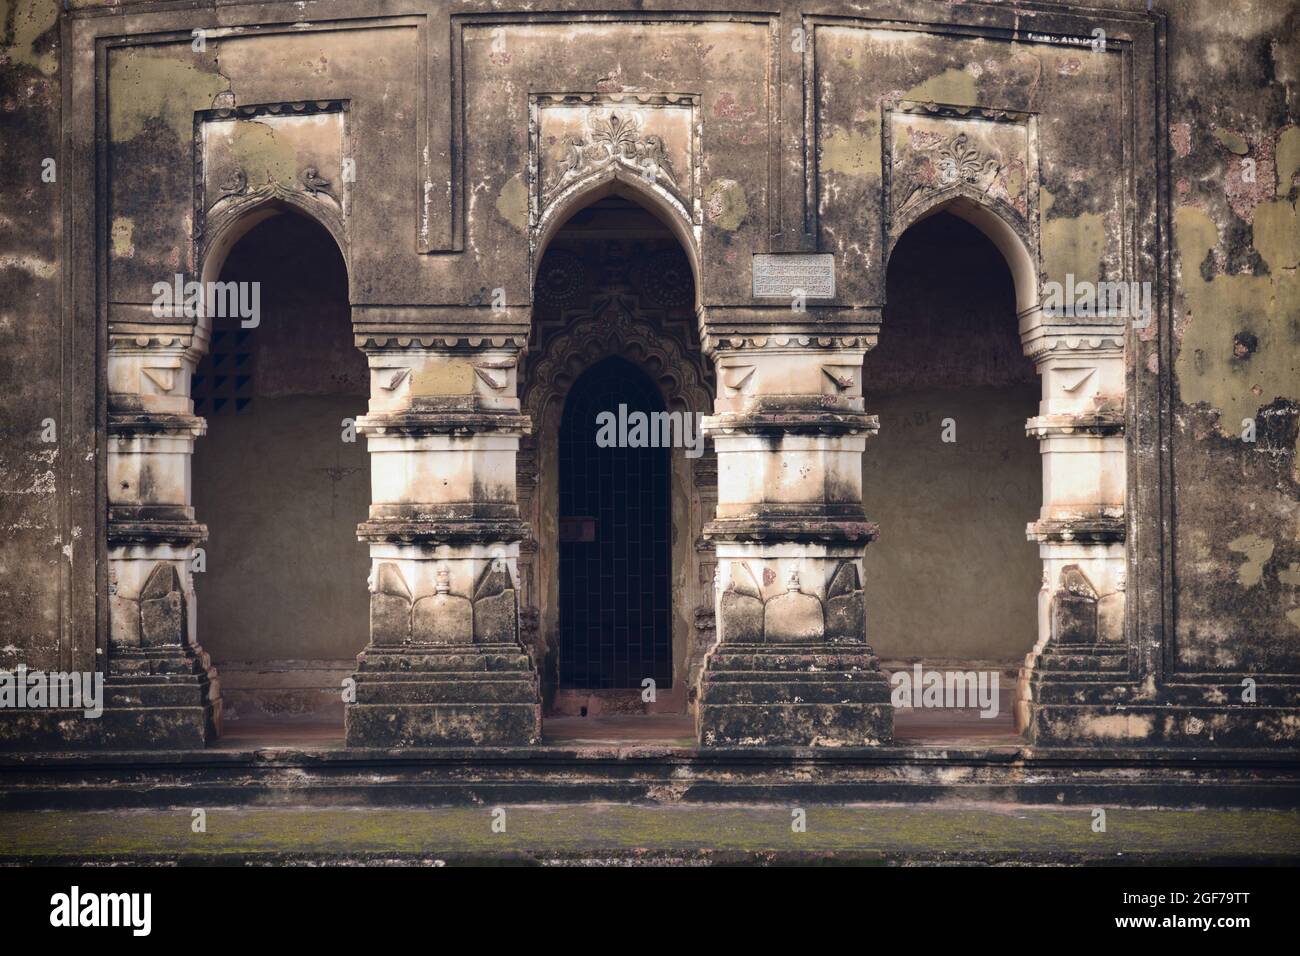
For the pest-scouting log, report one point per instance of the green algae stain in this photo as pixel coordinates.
(122, 234)
(144, 84)
(726, 204)
(1287, 158)
(951, 86)
(852, 154)
(512, 203)
(264, 157)
(31, 20)
(1207, 368)
(1257, 551)
(1071, 245)
(1277, 234)
(1232, 142)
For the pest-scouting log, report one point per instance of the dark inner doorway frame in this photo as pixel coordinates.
(615, 600)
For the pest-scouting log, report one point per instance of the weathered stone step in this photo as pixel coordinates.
(1062, 660)
(785, 676)
(1084, 692)
(1082, 673)
(863, 724)
(812, 663)
(786, 692)
(447, 691)
(1105, 647)
(444, 661)
(443, 725)
(398, 677)
(132, 667)
(170, 694)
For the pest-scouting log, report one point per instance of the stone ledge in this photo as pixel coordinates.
(474, 776)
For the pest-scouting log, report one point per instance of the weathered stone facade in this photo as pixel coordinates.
(712, 195)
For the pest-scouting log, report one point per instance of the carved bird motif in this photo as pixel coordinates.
(235, 183)
(313, 182)
(651, 152)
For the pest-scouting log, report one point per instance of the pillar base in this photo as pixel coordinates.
(444, 696)
(1082, 695)
(794, 695)
(155, 699)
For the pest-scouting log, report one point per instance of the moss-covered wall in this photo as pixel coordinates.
(37, 545)
(1234, 159)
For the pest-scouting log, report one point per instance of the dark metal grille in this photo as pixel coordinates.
(615, 620)
(223, 382)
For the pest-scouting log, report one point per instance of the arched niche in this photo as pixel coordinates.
(280, 480)
(235, 217)
(1000, 224)
(617, 181)
(951, 476)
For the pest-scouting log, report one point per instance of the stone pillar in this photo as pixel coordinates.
(791, 665)
(1081, 528)
(444, 665)
(160, 689)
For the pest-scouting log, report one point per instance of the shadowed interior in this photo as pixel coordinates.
(952, 514)
(282, 604)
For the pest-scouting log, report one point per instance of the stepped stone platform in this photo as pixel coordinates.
(649, 773)
(163, 694)
(1083, 689)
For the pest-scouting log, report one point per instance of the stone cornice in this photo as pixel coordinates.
(140, 424)
(1093, 423)
(416, 423)
(1040, 339)
(445, 341)
(123, 530)
(152, 340)
(794, 422)
(773, 328)
(1088, 528)
(444, 531)
(791, 528)
(774, 342)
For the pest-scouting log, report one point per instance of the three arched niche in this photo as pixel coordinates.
(280, 480)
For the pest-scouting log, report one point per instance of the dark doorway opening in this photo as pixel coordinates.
(952, 476)
(615, 605)
(281, 484)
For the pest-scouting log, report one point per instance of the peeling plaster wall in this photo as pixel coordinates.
(34, 552)
(1081, 199)
(1234, 96)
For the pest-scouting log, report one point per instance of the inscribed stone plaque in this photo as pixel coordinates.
(781, 276)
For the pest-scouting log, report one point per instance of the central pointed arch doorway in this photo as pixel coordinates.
(616, 581)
